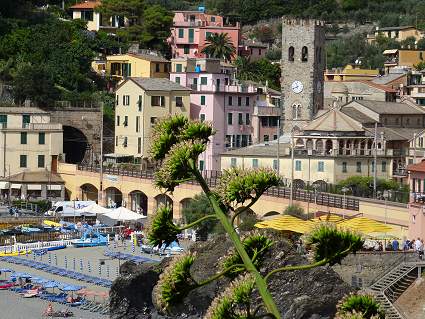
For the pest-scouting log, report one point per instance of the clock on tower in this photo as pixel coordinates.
(302, 64)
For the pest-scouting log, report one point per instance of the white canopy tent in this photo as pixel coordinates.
(120, 214)
(93, 209)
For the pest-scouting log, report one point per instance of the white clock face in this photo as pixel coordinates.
(297, 87)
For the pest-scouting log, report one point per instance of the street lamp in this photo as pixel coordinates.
(386, 195)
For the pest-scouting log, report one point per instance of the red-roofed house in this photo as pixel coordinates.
(87, 11)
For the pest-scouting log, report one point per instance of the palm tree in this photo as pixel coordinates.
(219, 46)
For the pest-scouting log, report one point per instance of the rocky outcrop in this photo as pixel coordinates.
(299, 294)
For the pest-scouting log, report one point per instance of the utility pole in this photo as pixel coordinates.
(375, 163)
(100, 195)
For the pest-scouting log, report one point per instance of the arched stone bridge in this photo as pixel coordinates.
(139, 193)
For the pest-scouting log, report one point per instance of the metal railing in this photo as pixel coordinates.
(211, 177)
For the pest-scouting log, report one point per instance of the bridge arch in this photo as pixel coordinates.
(89, 192)
(138, 202)
(75, 144)
(163, 199)
(113, 197)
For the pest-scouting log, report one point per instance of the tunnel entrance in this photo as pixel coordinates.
(75, 144)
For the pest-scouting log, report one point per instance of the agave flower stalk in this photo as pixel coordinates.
(228, 226)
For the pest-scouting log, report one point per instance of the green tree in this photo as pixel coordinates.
(177, 144)
(219, 46)
(408, 43)
(196, 209)
(420, 66)
(148, 25)
(421, 44)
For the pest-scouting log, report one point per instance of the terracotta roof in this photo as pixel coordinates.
(334, 121)
(418, 167)
(380, 86)
(86, 5)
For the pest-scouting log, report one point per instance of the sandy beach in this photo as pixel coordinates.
(16, 307)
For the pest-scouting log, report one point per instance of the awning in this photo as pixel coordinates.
(4, 185)
(16, 186)
(393, 51)
(54, 187)
(34, 187)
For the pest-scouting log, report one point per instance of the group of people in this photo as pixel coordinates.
(417, 245)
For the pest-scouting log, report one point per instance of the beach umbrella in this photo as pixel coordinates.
(51, 284)
(71, 288)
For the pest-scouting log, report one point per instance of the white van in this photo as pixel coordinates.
(69, 208)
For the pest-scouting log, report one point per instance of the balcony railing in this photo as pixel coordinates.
(400, 172)
(223, 88)
(345, 152)
(267, 111)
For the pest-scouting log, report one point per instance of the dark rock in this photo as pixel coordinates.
(309, 294)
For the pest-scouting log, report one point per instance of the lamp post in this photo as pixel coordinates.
(386, 195)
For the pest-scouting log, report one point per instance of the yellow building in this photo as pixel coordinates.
(140, 102)
(402, 58)
(29, 144)
(350, 72)
(396, 33)
(137, 65)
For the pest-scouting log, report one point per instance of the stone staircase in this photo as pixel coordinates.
(389, 287)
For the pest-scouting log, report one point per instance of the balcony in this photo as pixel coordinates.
(223, 88)
(400, 172)
(391, 61)
(267, 111)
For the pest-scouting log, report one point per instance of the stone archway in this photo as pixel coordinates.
(113, 197)
(75, 145)
(138, 202)
(89, 192)
(299, 184)
(163, 199)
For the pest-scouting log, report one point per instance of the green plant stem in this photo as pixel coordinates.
(254, 200)
(216, 276)
(197, 221)
(259, 280)
(310, 266)
(300, 267)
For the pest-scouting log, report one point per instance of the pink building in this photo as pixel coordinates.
(417, 200)
(217, 99)
(235, 110)
(191, 29)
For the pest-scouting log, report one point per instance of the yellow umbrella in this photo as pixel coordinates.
(287, 223)
(365, 225)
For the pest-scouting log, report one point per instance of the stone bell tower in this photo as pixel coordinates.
(303, 64)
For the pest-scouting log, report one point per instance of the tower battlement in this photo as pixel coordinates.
(302, 22)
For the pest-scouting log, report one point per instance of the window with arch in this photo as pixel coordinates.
(296, 111)
(291, 52)
(304, 54)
